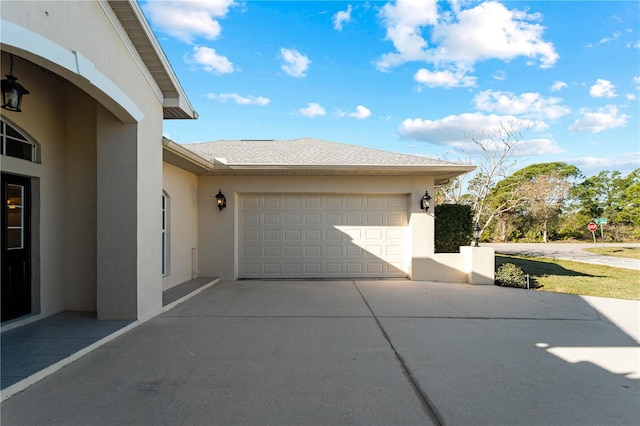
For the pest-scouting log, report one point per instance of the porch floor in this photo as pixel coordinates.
(29, 349)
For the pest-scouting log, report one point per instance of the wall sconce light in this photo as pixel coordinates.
(424, 201)
(12, 91)
(221, 200)
(476, 235)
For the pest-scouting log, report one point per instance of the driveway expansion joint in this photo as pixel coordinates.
(428, 406)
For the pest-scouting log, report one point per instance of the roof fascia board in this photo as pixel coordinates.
(220, 163)
(185, 154)
(183, 101)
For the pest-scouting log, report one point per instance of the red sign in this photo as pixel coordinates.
(592, 227)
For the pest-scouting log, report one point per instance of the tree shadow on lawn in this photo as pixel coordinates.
(536, 268)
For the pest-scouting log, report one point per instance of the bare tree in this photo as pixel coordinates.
(545, 195)
(498, 149)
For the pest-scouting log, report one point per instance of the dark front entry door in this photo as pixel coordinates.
(16, 253)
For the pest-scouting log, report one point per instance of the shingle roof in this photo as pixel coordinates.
(306, 151)
(314, 156)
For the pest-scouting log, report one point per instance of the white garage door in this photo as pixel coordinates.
(322, 236)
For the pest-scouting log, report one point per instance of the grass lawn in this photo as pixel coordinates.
(630, 252)
(564, 276)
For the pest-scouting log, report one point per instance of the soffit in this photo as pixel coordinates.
(176, 104)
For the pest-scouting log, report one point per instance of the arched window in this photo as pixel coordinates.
(14, 144)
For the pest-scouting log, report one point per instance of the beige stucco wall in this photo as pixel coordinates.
(100, 179)
(65, 200)
(218, 230)
(181, 188)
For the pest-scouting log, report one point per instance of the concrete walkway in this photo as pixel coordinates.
(39, 348)
(569, 251)
(356, 352)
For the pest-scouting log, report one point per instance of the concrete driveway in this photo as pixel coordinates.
(356, 352)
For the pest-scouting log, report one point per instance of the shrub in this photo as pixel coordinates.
(454, 227)
(510, 275)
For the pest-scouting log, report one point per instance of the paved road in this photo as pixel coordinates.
(568, 251)
(356, 352)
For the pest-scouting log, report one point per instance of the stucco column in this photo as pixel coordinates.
(480, 264)
(421, 227)
(117, 217)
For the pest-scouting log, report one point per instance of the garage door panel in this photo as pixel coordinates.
(271, 251)
(396, 219)
(355, 219)
(313, 235)
(313, 251)
(333, 218)
(313, 219)
(334, 201)
(271, 235)
(270, 219)
(269, 201)
(332, 250)
(251, 218)
(298, 236)
(250, 201)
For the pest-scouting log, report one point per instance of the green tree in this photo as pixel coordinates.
(611, 195)
(538, 190)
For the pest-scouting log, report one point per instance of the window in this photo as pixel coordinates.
(15, 217)
(15, 144)
(165, 234)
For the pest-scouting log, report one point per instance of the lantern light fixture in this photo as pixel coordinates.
(12, 91)
(221, 200)
(476, 235)
(424, 201)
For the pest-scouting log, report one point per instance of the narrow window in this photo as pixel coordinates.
(15, 217)
(165, 239)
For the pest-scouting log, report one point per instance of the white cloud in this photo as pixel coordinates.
(446, 79)
(312, 110)
(464, 36)
(295, 64)
(240, 100)
(603, 89)
(456, 130)
(625, 162)
(210, 61)
(341, 17)
(558, 86)
(186, 20)
(636, 81)
(531, 105)
(631, 97)
(613, 37)
(604, 118)
(500, 75)
(404, 21)
(489, 31)
(539, 147)
(360, 113)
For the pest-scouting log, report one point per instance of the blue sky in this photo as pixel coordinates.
(416, 76)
